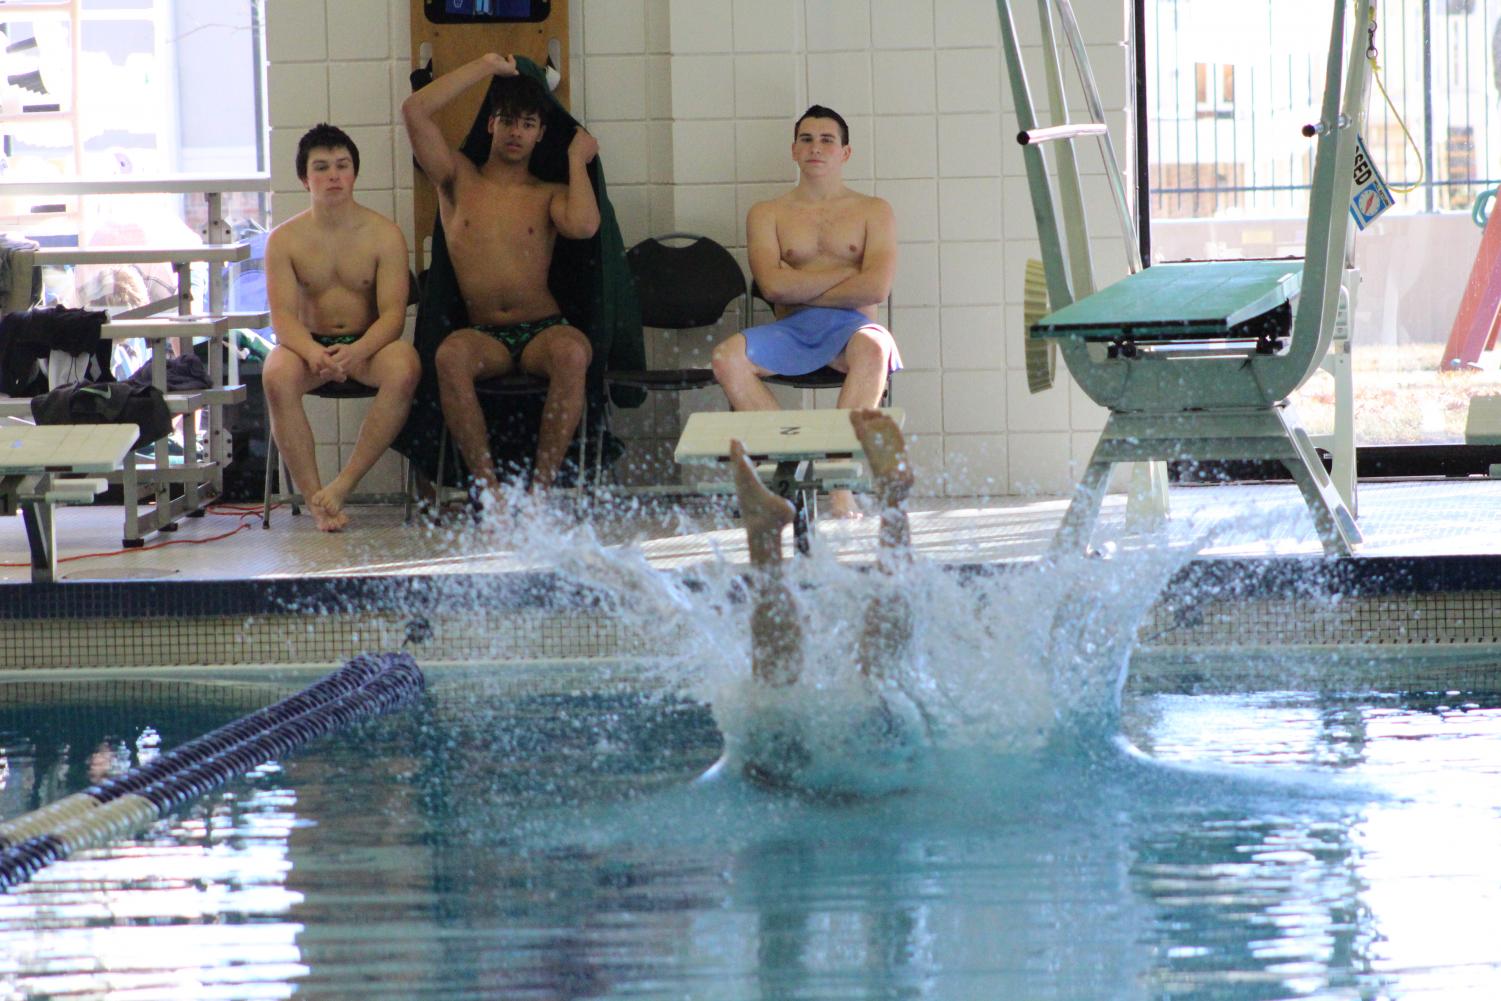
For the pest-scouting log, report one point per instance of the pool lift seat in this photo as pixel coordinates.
(1194, 361)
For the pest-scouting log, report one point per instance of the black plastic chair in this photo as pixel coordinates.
(682, 285)
(512, 386)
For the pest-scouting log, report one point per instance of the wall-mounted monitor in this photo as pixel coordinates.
(485, 11)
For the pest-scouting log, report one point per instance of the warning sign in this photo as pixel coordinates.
(1372, 197)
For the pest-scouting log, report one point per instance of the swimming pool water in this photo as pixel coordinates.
(517, 838)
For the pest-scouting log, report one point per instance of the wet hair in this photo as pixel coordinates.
(325, 136)
(515, 96)
(819, 111)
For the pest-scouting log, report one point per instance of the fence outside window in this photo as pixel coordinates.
(1229, 86)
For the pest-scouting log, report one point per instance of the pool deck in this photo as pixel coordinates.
(1408, 519)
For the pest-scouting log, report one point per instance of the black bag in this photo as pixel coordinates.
(106, 403)
(185, 373)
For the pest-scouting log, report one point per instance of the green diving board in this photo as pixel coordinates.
(1195, 300)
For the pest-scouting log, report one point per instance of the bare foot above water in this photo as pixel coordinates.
(886, 452)
(327, 507)
(764, 512)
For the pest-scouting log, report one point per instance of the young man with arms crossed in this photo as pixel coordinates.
(824, 255)
(336, 278)
(500, 222)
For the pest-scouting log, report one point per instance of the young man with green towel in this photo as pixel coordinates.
(501, 223)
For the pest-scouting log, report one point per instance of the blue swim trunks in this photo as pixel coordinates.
(809, 339)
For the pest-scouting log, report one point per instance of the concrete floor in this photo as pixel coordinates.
(1410, 518)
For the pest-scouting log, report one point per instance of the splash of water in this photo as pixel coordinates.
(1007, 660)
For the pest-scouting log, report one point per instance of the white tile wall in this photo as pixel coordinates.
(358, 29)
(1039, 463)
(838, 25)
(901, 24)
(693, 102)
(970, 272)
(916, 330)
(1028, 411)
(842, 81)
(917, 275)
(360, 93)
(701, 26)
(617, 90)
(766, 25)
(972, 23)
(912, 202)
(763, 151)
(703, 87)
(703, 152)
(904, 82)
(974, 465)
(973, 337)
(968, 79)
(300, 99)
(612, 26)
(766, 86)
(296, 31)
(969, 208)
(906, 146)
(974, 402)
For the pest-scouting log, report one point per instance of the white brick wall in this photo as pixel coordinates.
(693, 102)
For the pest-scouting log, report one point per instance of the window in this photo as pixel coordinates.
(100, 88)
(1227, 92)
(103, 88)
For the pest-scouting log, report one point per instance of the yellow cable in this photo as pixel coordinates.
(1376, 75)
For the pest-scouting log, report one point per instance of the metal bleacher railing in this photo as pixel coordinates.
(169, 489)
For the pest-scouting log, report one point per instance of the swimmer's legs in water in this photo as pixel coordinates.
(776, 638)
(776, 749)
(888, 617)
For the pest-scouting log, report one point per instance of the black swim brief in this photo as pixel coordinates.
(330, 340)
(516, 336)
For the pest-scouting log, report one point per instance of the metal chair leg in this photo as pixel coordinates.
(266, 498)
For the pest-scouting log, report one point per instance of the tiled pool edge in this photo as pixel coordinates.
(1342, 611)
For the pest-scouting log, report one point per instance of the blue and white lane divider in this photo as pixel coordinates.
(369, 685)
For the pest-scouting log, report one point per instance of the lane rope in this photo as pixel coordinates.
(367, 686)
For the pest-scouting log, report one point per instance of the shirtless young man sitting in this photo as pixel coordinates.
(500, 222)
(336, 278)
(824, 256)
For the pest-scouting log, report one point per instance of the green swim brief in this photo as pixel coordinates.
(516, 336)
(329, 340)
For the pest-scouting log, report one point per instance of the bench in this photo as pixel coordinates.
(39, 467)
(798, 452)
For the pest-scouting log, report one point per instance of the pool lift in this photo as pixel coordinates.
(1194, 361)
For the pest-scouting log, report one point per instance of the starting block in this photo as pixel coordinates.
(797, 452)
(39, 469)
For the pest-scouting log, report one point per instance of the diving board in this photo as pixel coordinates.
(36, 463)
(794, 440)
(1218, 302)
(1194, 361)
